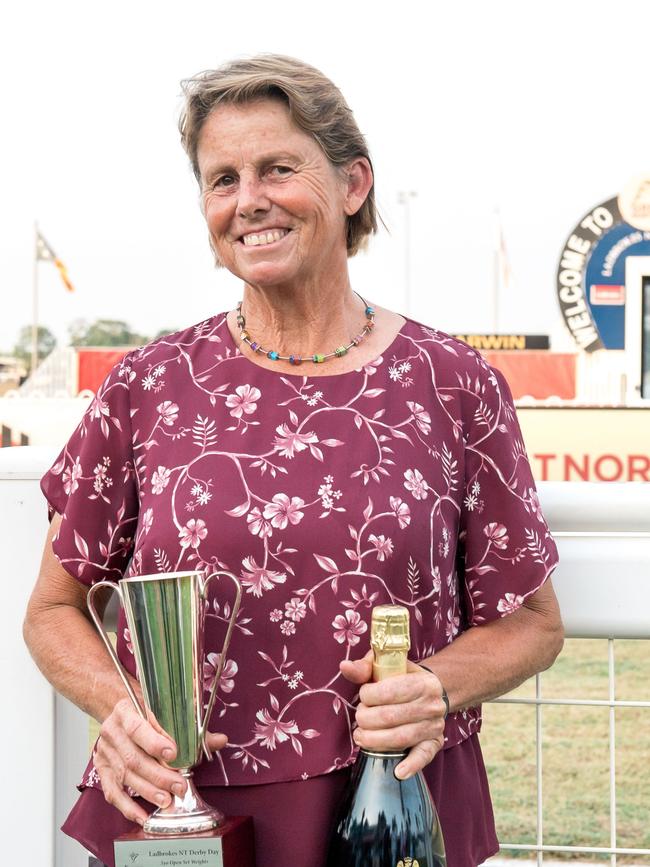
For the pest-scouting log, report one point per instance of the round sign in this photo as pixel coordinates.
(634, 202)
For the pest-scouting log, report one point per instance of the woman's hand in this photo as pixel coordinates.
(132, 752)
(404, 712)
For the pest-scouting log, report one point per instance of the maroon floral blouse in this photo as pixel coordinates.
(405, 482)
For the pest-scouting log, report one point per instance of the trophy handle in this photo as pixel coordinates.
(203, 724)
(107, 643)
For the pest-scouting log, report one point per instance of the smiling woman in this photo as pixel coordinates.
(392, 472)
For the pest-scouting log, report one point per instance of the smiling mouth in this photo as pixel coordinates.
(262, 239)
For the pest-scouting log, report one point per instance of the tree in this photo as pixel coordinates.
(163, 332)
(104, 332)
(45, 343)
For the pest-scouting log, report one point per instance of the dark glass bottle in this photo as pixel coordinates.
(383, 821)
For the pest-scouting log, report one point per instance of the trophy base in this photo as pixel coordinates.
(187, 815)
(232, 844)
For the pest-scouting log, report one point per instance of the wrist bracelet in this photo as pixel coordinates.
(444, 696)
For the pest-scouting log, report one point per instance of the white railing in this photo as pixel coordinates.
(603, 533)
(602, 530)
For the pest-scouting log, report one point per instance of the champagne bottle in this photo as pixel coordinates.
(383, 821)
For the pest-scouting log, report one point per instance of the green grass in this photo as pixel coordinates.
(575, 761)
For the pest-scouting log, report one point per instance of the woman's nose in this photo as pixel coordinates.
(252, 197)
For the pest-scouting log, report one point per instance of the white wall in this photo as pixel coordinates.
(44, 738)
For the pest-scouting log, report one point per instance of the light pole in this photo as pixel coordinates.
(404, 198)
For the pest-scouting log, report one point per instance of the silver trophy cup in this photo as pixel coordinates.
(165, 614)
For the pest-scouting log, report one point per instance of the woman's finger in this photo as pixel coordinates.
(142, 732)
(419, 757)
(122, 752)
(357, 670)
(215, 741)
(115, 795)
(398, 689)
(387, 716)
(399, 738)
(145, 789)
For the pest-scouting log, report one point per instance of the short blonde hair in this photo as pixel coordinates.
(315, 104)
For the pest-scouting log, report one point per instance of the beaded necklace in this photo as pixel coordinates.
(317, 358)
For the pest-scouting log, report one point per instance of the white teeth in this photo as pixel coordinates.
(256, 240)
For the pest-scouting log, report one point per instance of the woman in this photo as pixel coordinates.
(333, 455)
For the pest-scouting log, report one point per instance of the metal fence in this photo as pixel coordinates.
(603, 533)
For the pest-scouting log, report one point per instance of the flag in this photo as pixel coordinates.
(44, 253)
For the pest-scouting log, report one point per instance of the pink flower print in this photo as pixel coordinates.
(270, 732)
(349, 627)
(227, 679)
(421, 416)
(402, 512)
(534, 504)
(437, 581)
(371, 368)
(498, 534)
(193, 533)
(70, 476)
(147, 522)
(275, 616)
(416, 484)
(93, 777)
(295, 609)
(290, 441)
(510, 603)
(160, 480)
(257, 525)
(244, 401)
(127, 640)
(256, 579)
(383, 546)
(453, 624)
(99, 408)
(283, 511)
(102, 479)
(288, 627)
(168, 412)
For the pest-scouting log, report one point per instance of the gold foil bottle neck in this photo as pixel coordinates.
(390, 640)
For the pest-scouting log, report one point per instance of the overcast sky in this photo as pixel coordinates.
(537, 109)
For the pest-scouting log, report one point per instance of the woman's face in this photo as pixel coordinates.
(275, 206)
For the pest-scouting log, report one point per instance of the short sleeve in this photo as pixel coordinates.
(92, 484)
(505, 544)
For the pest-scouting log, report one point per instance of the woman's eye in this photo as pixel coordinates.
(224, 181)
(281, 170)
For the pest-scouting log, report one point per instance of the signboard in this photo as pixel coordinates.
(574, 444)
(507, 342)
(591, 271)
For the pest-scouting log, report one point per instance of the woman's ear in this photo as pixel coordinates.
(359, 180)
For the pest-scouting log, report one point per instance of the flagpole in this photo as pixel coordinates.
(404, 197)
(496, 276)
(34, 363)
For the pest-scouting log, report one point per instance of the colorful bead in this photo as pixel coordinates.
(317, 358)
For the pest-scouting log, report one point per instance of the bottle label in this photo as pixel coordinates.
(408, 862)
